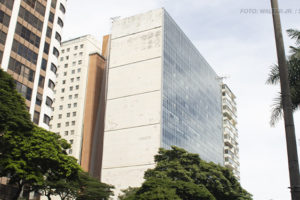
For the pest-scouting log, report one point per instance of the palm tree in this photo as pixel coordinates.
(293, 63)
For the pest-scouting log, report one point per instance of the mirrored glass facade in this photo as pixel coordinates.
(191, 108)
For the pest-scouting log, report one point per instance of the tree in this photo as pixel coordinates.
(128, 193)
(37, 158)
(31, 158)
(13, 112)
(293, 64)
(92, 189)
(182, 175)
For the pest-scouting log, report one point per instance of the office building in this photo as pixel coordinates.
(231, 147)
(77, 96)
(30, 39)
(160, 92)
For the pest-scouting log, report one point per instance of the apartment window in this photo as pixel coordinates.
(76, 96)
(30, 18)
(58, 37)
(78, 78)
(62, 8)
(72, 132)
(49, 102)
(39, 99)
(46, 48)
(68, 49)
(67, 57)
(36, 117)
(24, 51)
(66, 133)
(53, 68)
(73, 71)
(74, 114)
(74, 63)
(58, 125)
(71, 88)
(73, 123)
(65, 73)
(64, 82)
(37, 6)
(67, 124)
(1, 55)
(66, 65)
(70, 96)
(63, 51)
(60, 22)
(4, 18)
(75, 55)
(70, 151)
(28, 35)
(41, 81)
(81, 53)
(53, 3)
(44, 64)
(75, 105)
(2, 37)
(71, 141)
(8, 3)
(21, 69)
(61, 107)
(55, 52)
(59, 116)
(77, 87)
(46, 119)
(72, 80)
(49, 32)
(51, 84)
(68, 114)
(24, 90)
(79, 70)
(69, 105)
(62, 98)
(61, 58)
(76, 47)
(63, 90)
(80, 62)
(81, 46)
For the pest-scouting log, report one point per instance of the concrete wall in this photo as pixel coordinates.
(133, 112)
(74, 63)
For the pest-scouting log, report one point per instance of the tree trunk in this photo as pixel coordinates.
(48, 196)
(287, 106)
(18, 192)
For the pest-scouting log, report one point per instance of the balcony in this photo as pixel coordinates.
(228, 113)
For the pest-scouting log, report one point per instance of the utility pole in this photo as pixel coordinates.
(287, 106)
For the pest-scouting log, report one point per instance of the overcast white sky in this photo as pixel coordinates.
(237, 44)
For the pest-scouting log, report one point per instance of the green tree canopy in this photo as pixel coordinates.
(293, 63)
(182, 175)
(92, 189)
(34, 157)
(37, 158)
(13, 112)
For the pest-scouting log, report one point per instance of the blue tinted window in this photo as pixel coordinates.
(192, 116)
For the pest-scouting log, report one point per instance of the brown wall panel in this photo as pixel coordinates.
(105, 47)
(92, 105)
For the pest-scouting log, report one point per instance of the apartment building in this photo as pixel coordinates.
(30, 39)
(231, 146)
(160, 92)
(77, 96)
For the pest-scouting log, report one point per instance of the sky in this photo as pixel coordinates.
(237, 40)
